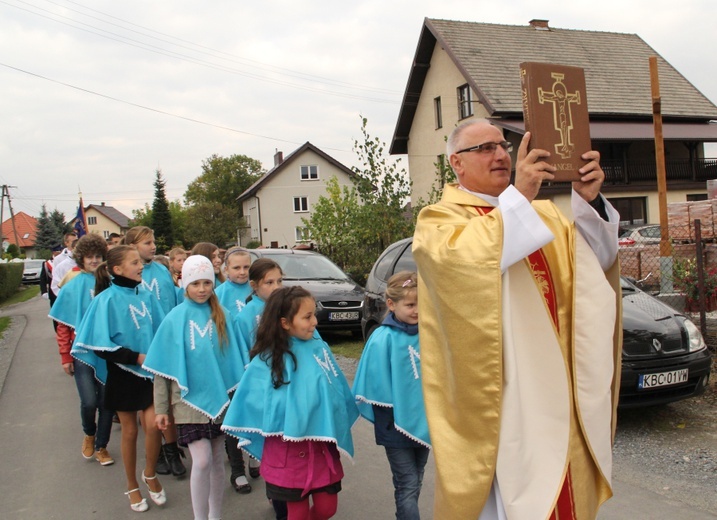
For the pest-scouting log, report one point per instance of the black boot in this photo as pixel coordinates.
(162, 466)
(174, 461)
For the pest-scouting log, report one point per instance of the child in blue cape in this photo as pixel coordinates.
(233, 294)
(119, 326)
(265, 276)
(388, 390)
(196, 362)
(76, 292)
(292, 394)
(157, 280)
(155, 277)
(211, 251)
(236, 289)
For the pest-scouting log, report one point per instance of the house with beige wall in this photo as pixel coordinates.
(275, 205)
(103, 220)
(466, 70)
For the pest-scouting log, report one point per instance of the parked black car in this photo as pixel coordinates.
(664, 357)
(339, 300)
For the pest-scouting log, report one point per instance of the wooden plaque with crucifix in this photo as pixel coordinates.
(555, 110)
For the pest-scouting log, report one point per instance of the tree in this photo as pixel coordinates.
(58, 220)
(161, 216)
(47, 235)
(211, 222)
(223, 179)
(332, 219)
(385, 191)
(143, 217)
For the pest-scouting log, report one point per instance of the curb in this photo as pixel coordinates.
(8, 344)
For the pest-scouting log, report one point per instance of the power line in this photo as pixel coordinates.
(234, 57)
(156, 110)
(183, 57)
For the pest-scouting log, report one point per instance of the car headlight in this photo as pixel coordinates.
(694, 336)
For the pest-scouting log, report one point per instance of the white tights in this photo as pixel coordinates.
(207, 480)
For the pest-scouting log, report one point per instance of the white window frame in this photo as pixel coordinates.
(311, 170)
(303, 204)
(465, 101)
(91, 221)
(301, 234)
(438, 112)
(106, 234)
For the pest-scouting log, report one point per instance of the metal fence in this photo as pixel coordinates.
(685, 279)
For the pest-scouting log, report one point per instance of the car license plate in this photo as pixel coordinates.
(662, 379)
(343, 316)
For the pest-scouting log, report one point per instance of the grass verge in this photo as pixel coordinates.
(344, 344)
(24, 293)
(4, 324)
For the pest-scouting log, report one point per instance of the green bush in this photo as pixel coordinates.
(10, 278)
(253, 244)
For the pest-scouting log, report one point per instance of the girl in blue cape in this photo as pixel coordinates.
(211, 251)
(157, 280)
(293, 409)
(265, 276)
(76, 292)
(119, 326)
(236, 289)
(233, 294)
(388, 390)
(196, 362)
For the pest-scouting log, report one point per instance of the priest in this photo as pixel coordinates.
(520, 335)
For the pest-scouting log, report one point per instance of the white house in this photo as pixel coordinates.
(274, 206)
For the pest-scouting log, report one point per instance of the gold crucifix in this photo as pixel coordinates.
(562, 117)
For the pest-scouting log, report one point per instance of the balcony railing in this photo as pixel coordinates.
(619, 172)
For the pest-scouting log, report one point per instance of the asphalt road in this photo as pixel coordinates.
(45, 477)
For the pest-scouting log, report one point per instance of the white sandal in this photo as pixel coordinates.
(139, 507)
(160, 497)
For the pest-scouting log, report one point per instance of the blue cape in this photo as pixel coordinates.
(186, 350)
(316, 405)
(389, 375)
(69, 308)
(246, 323)
(233, 295)
(157, 280)
(119, 317)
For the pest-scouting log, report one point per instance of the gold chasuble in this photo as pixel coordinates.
(520, 370)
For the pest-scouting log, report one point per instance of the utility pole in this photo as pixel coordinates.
(6, 193)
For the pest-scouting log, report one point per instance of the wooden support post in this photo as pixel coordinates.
(665, 244)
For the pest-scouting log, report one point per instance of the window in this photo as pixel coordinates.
(301, 204)
(437, 112)
(632, 210)
(465, 106)
(91, 221)
(309, 173)
(696, 196)
(302, 234)
(106, 234)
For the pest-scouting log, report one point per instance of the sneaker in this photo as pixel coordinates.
(103, 457)
(88, 446)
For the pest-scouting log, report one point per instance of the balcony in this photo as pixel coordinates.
(645, 172)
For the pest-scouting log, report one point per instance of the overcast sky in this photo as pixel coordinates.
(95, 96)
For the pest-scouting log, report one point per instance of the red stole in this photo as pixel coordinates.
(564, 508)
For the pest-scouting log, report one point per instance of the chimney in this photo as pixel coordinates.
(278, 158)
(102, 203)
(539, 25)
